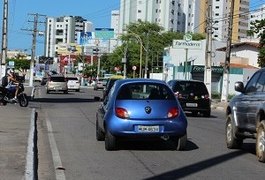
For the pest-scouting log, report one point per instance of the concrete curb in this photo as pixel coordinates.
(32, 151)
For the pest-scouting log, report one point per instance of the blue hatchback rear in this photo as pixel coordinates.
(141, 109)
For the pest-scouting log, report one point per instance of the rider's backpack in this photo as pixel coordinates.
(4, 81)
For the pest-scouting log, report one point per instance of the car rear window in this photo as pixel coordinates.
(57, 79)
(191, 87)
(72, 78)
(145, 91)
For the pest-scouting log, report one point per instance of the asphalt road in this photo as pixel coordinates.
(68, 148)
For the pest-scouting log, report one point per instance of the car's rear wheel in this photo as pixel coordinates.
(181, 143)
(232, 142)
(99, 134)
(110, 141)
(260, 142)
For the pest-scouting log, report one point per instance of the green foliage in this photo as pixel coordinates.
(153, 38)
(259, 27)
(20, 64)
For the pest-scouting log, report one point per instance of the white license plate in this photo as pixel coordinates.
(148, 128)
(191, 104)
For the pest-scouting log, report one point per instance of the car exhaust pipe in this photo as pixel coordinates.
(165, 137)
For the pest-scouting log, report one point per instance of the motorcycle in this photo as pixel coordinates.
(7, 95)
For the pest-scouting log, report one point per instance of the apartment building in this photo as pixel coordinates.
(257, 14)
(220, 19)
(188, 15)
(172, 15)
(63, 30)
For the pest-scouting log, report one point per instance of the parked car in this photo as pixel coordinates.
(56, 83)
(109, 84)
(73, 83)
(192, 95)
(245, 114)
(100, 83)
(141, 109)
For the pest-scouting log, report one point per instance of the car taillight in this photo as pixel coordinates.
(205, 96)
(178, 95)
(122, 113)
(173, 112)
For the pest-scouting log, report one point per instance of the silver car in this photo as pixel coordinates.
(57, 83)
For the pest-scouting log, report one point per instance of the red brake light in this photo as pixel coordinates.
(178, 95)
(206, 96)
(173, 112)
(121, 113)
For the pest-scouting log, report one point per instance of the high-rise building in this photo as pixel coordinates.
(63, 30)
(220, 19)
(172, 15)
(258, 14)
(188, 16)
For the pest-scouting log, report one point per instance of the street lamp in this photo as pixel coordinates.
(141, 50)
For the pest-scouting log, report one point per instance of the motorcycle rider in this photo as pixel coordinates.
(12, 83)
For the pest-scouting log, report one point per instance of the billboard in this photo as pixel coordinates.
(85, 38)
(104, 33)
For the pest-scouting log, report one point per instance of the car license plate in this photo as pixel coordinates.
(148, 128)
(191, 104)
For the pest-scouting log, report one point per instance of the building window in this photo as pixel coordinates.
(217, 7)
(139, 11)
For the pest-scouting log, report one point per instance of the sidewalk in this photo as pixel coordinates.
(15, 137)
(217, 104)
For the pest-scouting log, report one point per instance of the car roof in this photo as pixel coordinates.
(183, 80)
(139, 80)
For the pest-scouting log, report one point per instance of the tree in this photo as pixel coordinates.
(20, 64)
(154, 40)
(258, 27)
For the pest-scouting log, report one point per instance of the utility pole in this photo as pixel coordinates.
(34, 39)
(4, 39)
(124, 61)
(225, 86)
(146, 56)
(208, 53)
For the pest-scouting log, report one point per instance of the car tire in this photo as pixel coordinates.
(207, 113)
(99, 134)
(260, 142)
(110, 141)
(181, 143)
(232, 142)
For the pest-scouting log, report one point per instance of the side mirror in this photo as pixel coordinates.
(239, 86)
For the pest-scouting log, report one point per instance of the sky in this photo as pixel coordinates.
(96, 11)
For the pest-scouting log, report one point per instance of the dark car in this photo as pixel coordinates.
(245, 114)
(141, 109)
(192, 95)
(109, 84)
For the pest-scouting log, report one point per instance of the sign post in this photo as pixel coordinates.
(187, 44)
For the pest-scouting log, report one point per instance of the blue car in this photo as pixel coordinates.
(141, 109)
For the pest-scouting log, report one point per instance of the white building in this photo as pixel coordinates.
(258, 14)
(63, 30)
(115, 16)
(172, 15)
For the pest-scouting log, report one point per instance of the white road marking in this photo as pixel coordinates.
(59, 171)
